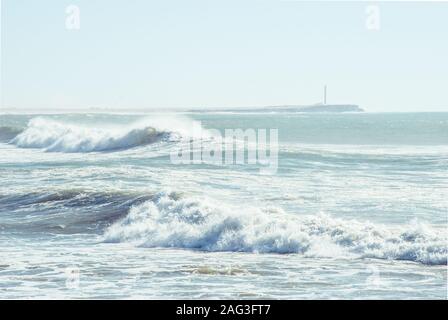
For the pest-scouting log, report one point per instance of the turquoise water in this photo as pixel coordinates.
(356, 209)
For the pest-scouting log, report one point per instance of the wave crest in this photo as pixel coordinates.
(171, 221)
(54, 136)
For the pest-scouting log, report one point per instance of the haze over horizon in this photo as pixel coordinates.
(223, 54)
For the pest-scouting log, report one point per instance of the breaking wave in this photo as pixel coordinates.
(168, 220)
(55, 136)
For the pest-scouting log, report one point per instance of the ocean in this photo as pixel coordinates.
(92, 206)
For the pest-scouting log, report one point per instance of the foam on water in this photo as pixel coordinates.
(168, 220)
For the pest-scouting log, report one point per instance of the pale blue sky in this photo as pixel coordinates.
(220, 53)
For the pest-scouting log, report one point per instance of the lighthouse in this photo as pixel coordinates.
(325, 94)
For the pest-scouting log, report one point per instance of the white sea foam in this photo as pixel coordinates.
(56, 136)
(197, 223)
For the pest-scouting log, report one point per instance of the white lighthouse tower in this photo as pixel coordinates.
(325, 94)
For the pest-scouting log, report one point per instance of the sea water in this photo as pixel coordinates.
(92, 206)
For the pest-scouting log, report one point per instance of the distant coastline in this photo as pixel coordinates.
(318, 108)
(336, 108)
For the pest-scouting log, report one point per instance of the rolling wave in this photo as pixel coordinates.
(168, 220)
(54, 136)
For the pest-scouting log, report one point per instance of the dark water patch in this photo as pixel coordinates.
(9, 133)
(65, 212)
